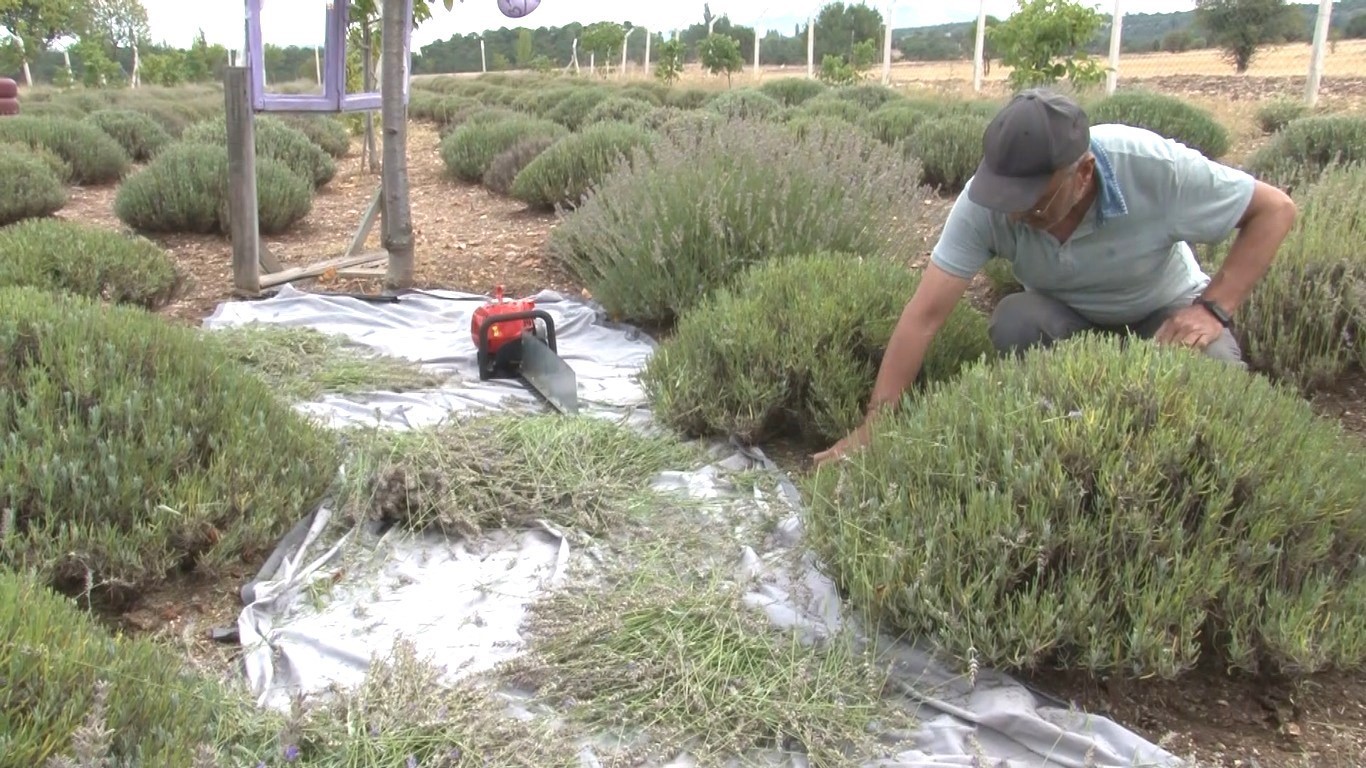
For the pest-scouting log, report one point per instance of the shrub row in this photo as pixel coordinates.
(185, 190)
(29, 186)
(469, 150)
(276, 140)
(67, 679)
(792, 348)
(1121, 509)
(171, 108)
(1305, 323)
(139, 135)
(1301, 150)
(94, 157)
(1170, 116)
(943, 136)
(654, 238)
(87, 260)
(132, 452)
(565, 172)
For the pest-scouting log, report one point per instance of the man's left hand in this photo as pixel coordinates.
(1192, 326)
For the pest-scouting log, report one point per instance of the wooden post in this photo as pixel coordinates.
(368, 154)
(886, 53)
(1321, 24)
(1116, 39)
(397, 232)
(810, 47)
(242, 201)
(979, 47)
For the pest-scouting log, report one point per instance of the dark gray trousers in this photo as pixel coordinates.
(1026, 319)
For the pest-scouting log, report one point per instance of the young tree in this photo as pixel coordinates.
(842, 26)
(604, 40)
(397, 224)
(835, 70)
(37, 23)
(525, 50)
(1045, 41)
(670, 65)
(118, 24)
(1241, 27)
(720, 53)
(97, 69)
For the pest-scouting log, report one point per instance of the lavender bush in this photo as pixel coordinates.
(134, 453)
(656, 237)
(1118, 509)
(792, 350)
(73, 695)
(561, 175)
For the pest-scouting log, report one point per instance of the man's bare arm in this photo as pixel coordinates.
(936, 296)
(1269, 217)
(920, 321)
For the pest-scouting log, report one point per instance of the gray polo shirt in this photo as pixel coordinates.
(1129, 256)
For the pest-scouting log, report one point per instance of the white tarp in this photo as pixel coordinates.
(463, 601)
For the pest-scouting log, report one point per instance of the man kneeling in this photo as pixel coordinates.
(1096, 223)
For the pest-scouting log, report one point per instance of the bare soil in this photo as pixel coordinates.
(470, 239)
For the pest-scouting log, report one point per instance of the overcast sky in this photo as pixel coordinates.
(300, 22)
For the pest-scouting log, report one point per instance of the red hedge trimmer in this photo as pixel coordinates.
(510, 345)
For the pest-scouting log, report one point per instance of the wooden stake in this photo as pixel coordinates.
(242, 201)
(321, 268)
(367, 223)
(398, 216)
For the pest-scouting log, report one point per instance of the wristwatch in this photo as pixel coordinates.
(1216, 310)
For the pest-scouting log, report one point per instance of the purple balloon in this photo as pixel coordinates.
(515, 9)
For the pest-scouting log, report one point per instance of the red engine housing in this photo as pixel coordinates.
(507, 330)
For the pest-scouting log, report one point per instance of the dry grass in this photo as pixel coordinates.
(1348, 59)
(584, 473)
(302, 363)
(679, 659)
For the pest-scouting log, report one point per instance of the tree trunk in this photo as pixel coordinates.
(398, 220)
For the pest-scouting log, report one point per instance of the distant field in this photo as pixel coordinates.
(1346, 59)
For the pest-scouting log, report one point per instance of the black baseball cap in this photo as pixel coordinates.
(1036, 133)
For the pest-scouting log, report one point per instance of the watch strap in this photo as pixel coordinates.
(1216, 310)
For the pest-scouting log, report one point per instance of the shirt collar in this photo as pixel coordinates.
(1111, 203)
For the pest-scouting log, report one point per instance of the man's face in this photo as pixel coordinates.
(1058, 198)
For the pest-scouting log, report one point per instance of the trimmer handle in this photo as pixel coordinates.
(538, 314)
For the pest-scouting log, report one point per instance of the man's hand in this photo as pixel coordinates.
(853, 441)
(1192, 326)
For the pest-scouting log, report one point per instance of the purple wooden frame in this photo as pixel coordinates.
(334, 97)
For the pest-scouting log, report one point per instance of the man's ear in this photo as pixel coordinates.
(1088, 166)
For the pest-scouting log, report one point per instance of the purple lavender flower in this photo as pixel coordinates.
(291, 753)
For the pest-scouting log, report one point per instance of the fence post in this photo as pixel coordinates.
(1116, 36)
(887, 52)
(810, 47)
(1311, 88)
(979, 47)
(243, 210)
